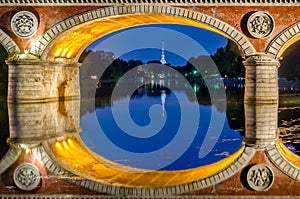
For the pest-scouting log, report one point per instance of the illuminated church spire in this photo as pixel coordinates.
(162, 59)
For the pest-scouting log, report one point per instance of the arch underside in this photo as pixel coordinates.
(70, 37)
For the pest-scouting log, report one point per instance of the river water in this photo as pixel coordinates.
(289, 114)
(172, 147)
(157, 123)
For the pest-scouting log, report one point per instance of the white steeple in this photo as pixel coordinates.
(162, 59)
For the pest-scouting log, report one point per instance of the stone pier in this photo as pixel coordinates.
(32, 123)
(261, 100)
(34, 80)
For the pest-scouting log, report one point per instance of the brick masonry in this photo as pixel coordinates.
(50, 35)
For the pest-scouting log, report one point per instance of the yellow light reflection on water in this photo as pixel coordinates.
(76, 157)
(289, 155)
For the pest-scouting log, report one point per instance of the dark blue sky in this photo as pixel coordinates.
(145, 42)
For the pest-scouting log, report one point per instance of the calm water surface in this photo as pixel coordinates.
(217, 146)
(229, 141)
(289, 114)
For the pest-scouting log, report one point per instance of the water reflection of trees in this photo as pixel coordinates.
(289, 121)
(234, 98)
(289, 101)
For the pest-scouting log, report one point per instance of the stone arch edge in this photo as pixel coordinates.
(277, 158)
(41, 153)
(8, 43)
(279, 42)
(44, 41)
(9, 158)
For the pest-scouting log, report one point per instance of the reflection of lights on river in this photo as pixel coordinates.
(163, 101)
(196, 88)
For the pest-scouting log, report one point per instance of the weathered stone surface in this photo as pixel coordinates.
(41, 81)
(34, 122)
(260, 87)
(261, 124)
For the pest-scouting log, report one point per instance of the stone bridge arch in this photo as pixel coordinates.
(280, 156)
(282, 41)
(122, 180)
(67, 39)
(8, 43)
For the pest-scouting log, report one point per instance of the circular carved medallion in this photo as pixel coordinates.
(24, 24)
(260, 24)
(260, 177)
(27, 177)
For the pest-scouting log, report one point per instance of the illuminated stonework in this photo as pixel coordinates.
(68, 38)
(260, 25)
(24, 24)
(27, 177)
(284, 40)
(260, 177)
(122, 180)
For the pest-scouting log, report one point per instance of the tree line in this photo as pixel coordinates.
(227, 60)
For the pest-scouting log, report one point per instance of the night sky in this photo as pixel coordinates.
(145, 42)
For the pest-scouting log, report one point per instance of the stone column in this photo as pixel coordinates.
(261, 100)
(34, 80)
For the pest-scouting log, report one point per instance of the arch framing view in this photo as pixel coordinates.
(60, 38)
(43, 99)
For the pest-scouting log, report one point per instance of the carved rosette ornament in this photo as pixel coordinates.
(260, 177)
(24, 24)
(27, 177)
(260, 25)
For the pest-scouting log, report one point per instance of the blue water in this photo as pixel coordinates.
(167, 147)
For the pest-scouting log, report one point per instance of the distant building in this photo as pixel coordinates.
(163, 60)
